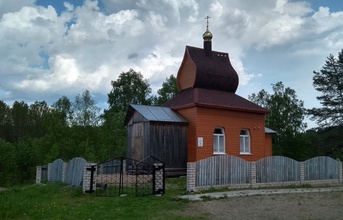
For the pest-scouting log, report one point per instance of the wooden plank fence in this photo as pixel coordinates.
(222, 170)
(277, 169)
(234, 172)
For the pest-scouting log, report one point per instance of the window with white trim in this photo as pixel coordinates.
(218, 141)
(244, 141)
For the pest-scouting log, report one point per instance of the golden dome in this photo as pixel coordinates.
(207, 36)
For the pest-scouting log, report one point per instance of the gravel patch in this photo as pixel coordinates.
(306, 205)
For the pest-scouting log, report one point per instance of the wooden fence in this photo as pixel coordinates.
(234, 172)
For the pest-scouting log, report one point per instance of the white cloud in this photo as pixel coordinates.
(44, 53)
(13, 5)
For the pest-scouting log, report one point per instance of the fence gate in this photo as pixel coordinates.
(125, 176)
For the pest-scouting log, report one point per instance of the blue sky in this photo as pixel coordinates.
(51, 48)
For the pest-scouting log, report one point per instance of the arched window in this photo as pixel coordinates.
(218, 141)
(245, 141)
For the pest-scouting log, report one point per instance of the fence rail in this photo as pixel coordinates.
(230, 171)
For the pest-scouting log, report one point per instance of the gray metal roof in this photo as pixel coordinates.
(269, 131)
(157, 113)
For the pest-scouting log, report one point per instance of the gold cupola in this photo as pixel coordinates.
(207, 36)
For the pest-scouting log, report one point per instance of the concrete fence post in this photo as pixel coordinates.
(38, 174)
(253, 174)
(49, 172)
(191, 175)
(302, 172)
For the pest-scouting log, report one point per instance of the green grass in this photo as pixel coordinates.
(58, 201)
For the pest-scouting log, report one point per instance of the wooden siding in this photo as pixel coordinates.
(186, 74)
(136, 118)
(137, 137)
(165, 141)
(232, 121)
(168, 143)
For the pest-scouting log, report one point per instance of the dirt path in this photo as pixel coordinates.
(324, 205)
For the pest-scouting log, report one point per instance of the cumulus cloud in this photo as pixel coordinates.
(46, 53)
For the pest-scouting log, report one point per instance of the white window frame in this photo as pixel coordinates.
(244, 142)
(219, 141)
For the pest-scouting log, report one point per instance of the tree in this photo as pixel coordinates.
(5, 121)
(85, 112)
(326, 141)
(20, 122)
(38, 115)
(130, 88)
(286, 117)
(169, 90)
(64, 107)
(8, 171)
(329, 81)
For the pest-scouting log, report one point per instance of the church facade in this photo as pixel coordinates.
(218, 120)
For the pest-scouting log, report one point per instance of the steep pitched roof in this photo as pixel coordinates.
(214, 99)
(213, 70)
(154, 113)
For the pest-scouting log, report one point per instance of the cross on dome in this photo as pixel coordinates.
(207, 36)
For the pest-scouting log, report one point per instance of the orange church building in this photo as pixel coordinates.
(218, 120)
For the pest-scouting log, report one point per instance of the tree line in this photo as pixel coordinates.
(37, 134)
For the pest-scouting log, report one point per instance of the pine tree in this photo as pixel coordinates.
(329, 81)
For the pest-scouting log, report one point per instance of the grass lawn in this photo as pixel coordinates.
(58, 201)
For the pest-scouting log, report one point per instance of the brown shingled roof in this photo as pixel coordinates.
(213, 71)
(214, 99)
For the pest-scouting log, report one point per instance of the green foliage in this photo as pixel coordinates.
(8, 169)
(113, 135)
(326, 142)
(5, 121)
(63, 107)
(85, 112)
(169, 90)
(286, 117)
(129, 88)
(329, 81)
(26, 160)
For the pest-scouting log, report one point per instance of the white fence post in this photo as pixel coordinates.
(191, 173)
(49, 171)
(38, 174)
(87, 177)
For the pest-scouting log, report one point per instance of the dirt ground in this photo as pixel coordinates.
(323, 205)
